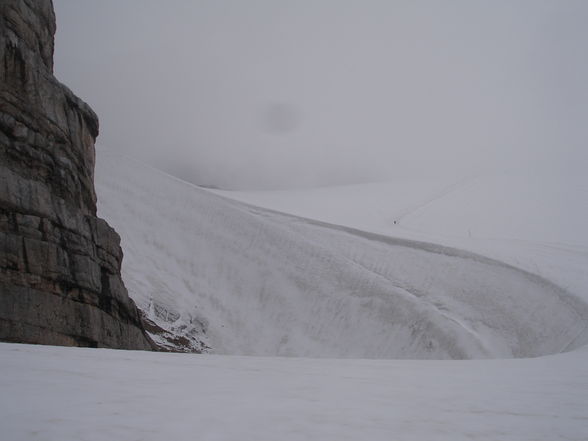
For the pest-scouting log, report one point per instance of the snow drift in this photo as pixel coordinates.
(244, 280)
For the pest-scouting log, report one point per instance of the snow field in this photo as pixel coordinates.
(51, 393)
(263, 283)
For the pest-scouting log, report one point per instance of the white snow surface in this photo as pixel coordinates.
(261, 282)
(534, 219)
(265, 283)
(61, 394)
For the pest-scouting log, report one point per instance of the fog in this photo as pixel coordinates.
(264, 94)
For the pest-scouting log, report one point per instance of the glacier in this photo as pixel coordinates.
(238, 279)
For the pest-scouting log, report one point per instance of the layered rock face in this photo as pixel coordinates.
(59, 264)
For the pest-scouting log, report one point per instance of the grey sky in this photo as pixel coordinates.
(274, 94)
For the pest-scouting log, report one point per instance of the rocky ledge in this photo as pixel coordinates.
(60, 265)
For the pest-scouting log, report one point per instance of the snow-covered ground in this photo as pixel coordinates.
(62, 394)
(250, 281)
(247, 280)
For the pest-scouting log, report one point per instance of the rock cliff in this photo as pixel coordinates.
(60, 277)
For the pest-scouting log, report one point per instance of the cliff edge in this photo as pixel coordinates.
(60, 265)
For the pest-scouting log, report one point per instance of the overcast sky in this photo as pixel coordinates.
(276, 94)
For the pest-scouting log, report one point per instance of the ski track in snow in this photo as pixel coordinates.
(435, 197)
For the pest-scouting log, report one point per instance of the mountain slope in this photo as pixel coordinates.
(244, 280)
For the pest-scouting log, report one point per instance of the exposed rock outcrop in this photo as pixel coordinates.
(60, 277)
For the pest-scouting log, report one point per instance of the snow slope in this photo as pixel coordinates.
(51, 393)
(531, 218)
(246, 280)
(540, 206)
